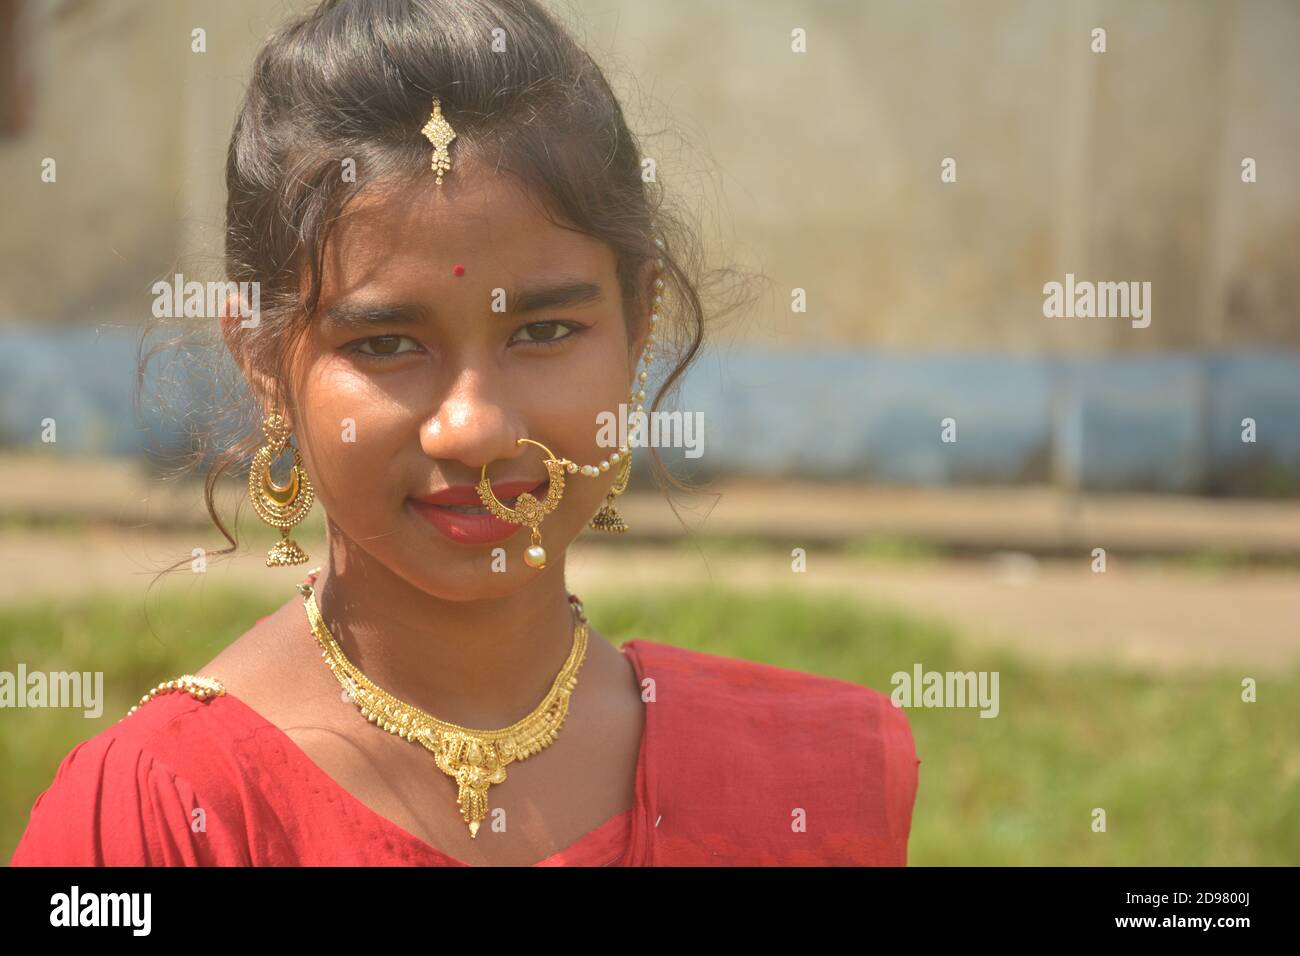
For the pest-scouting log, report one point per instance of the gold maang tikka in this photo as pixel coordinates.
(439, 132)
(280, 506)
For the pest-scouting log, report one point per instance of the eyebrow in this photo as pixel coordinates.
(570, 292)
(359, 315)
(566, 293)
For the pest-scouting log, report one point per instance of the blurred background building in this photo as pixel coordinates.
(820, 171)
(822, 175)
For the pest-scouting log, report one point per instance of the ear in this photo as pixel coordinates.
(239, 322)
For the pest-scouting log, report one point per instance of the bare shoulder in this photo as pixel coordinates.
(272, 667)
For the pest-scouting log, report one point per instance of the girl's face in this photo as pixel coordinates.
(409, 382)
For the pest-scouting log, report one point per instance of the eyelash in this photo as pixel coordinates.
(574, 328)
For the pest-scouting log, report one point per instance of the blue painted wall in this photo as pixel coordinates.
(1168, 422)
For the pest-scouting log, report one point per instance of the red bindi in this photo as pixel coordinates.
(458, 269)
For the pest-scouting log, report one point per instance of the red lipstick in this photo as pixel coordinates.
(480, 526)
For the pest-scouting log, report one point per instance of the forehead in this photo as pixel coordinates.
(488, 223)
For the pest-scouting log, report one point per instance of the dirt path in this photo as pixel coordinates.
(1035, 519)
(1140, 616)
(1135, 616)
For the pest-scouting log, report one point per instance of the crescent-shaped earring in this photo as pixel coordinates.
(528, 510)
(280, 506)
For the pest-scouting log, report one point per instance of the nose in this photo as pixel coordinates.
(475, 424)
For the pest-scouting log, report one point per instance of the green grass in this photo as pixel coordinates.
(883, 547)
(1186, 772)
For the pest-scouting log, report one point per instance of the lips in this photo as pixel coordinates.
(467, 495)
(475, 509)
(458, 512)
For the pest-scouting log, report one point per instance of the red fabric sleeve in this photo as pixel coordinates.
(112, 803)
(745, 750)
(902, 769)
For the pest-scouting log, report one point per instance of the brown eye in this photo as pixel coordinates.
(383, 345)
(547, 333)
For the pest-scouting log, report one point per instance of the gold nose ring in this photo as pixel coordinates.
(528, 510)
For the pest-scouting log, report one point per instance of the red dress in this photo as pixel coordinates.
(740, 764)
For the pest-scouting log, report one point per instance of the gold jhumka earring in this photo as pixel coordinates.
(608, 518)
(280, 506)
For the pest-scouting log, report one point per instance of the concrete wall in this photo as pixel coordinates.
(819, 169)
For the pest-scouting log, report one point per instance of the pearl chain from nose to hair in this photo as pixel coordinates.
(638, 389)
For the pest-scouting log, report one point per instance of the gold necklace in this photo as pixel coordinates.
(475, 759)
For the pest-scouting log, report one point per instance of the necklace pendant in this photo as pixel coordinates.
(472, 784)
(474, 765)
(473, 806)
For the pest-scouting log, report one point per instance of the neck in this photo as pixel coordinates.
(484, 662)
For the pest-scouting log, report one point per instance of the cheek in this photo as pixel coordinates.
(589, 391)
(352, 433)
(601, 380)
